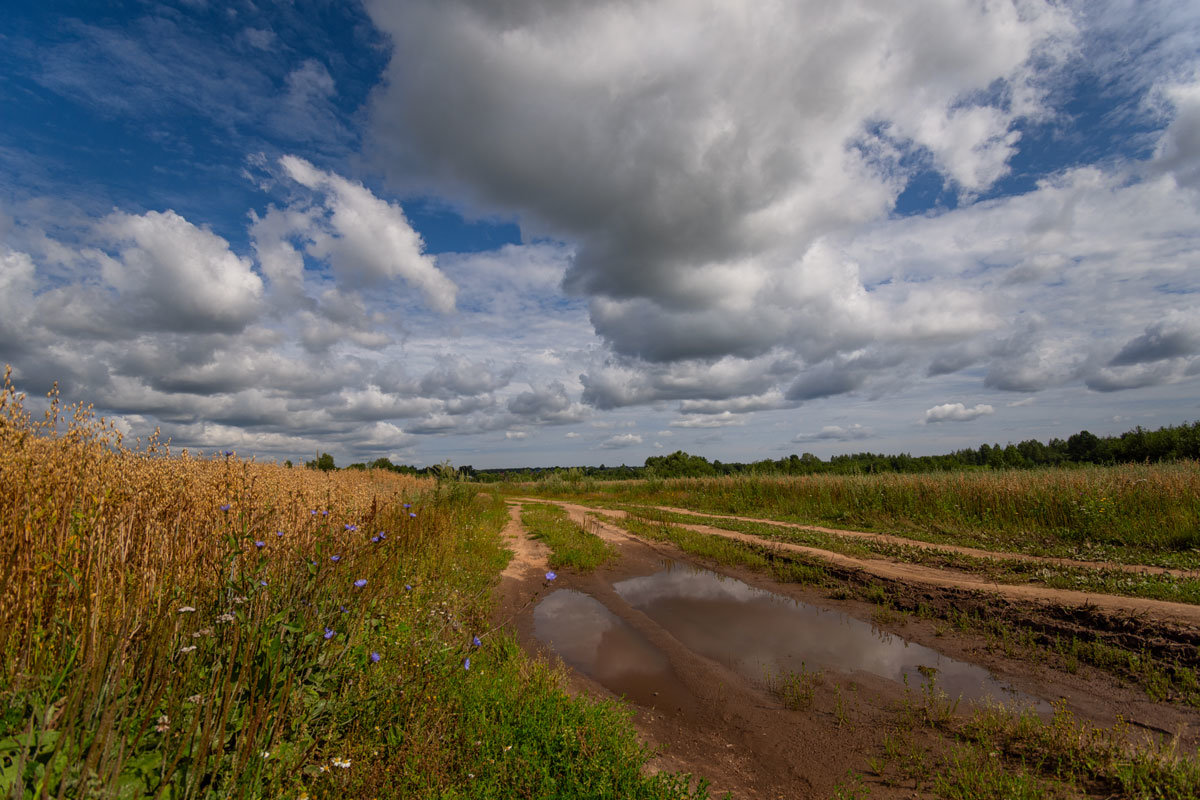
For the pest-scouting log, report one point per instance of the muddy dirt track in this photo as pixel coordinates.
(710, 718)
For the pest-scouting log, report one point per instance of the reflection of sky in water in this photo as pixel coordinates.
(573, 624)
(755, 631)
(593, 640)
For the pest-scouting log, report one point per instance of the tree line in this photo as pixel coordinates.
(1169, 443)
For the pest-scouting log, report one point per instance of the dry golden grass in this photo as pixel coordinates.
(100, 536)
(212, 628)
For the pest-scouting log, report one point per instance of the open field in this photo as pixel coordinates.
(209, 627)
(1137, 514)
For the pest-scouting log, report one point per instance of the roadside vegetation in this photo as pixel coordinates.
(179, 626)
(971, 753)
(783, 567)
(570, 545)
(994, 752)
(997, 569)
(1139, 514)
(1165, 676)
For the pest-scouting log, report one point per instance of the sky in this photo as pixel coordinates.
(540, 232)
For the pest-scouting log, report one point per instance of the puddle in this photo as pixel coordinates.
(757, 632)
(599, 644)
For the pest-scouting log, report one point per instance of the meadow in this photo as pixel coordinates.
(1132, 513)
(176, 625)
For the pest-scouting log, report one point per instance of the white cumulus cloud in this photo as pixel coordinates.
(365, 239)
(956, 412)
(621, 440)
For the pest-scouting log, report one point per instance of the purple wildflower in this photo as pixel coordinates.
(335, 559)
(324, 513)
(343, 609)
(350, 527)
(260, 544)
(375, 657)
(466, 663)
(475, 641)
(361, 582)
(228, 453)
(226, 507)
(329, 632)
(550, 576)
(375, 539)
(408, 505)
(262, 583)
(408, 587)
(279, 534)
(412, 515)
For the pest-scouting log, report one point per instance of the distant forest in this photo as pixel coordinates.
(1170, 443)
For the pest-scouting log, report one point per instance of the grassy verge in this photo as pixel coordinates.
(1147, 514)
(991, 752)
(997, 570)
(997, 752)
(212, 628)
(570, 545)
(1163, 679)
(784, 567)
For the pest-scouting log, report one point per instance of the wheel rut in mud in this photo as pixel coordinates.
(655, 628)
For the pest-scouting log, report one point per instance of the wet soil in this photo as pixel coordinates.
(1183, 616)
(702, 699)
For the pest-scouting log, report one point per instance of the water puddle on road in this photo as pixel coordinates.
(599, 644)
(757, 633)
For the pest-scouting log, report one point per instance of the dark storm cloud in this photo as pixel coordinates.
(1161, 340)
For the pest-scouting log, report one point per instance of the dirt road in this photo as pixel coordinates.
(892, 570)
(712, 719)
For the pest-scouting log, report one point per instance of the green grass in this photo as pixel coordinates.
(570, 545)
(968, 774)
(505, 729)
(997, 752)
(795, 688)
(783, 567)
(996, 570)
(1105, 760)
(1146, 514)
(1162, 679)
(243, 696)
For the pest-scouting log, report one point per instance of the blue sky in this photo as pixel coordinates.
(551, 233)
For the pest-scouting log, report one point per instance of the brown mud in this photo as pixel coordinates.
(1185, 615)
(712, 719)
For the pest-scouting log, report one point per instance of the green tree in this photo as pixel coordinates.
(323, 462)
